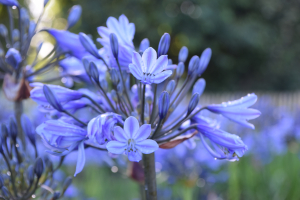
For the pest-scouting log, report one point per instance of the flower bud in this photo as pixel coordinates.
(163, 104)
(13, 129)
(164, 44)
(39, 167)
(193, 64)
(93, 71)
(66, 184)
(74, 15)
(113, 95)
(183, 54)
(24, 16)
(3, 30)
(170, 61)
(204, 60)
(145, 44)
(52, 100)
(56, 195)
(171, 86)
(28, 128)
(13, 58)
(114, 76)
(30, 174)
(86, 64)
(120, 89)
(180, 69)
(5, 192)
(89, 45)
(4, 132)
(104, 85)
(193, 103)
(31, 29)
(114, 45)
(199, 86)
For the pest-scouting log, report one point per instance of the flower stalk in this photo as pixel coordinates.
(150, 176)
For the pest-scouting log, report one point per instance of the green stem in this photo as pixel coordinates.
(18, 107)
(143, 104)
(150, 176)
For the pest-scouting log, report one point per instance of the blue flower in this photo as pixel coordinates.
(133, 140)
(228, 146)
(62, 138)
(69, 42)
(100, 128)
(238, 110)
(13, 58)
(9, 2)
(124, 32)
(62, 94)
(148, 69)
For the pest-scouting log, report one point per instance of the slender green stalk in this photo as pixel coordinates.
(143, 104)
(18, 107)
(150, 176)
(75, 118)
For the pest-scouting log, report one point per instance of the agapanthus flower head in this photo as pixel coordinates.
(148, 69)
(132, 140)
(100, 128)
(61, 138)
(238, 110)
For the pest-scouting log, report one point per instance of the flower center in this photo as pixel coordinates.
(131, 145)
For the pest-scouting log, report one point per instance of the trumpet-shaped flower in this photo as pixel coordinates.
(132, 140)
(148, 69)
(101, 127)
(238, 110)
(124, 32)
(62, 138)
(227, 146)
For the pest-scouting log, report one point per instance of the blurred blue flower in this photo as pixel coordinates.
(9, 2)
(62, 138)
(13, 58)
(238, 110)
(133, 140)
(148, 69)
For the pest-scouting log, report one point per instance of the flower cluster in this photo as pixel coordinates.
(138, 94)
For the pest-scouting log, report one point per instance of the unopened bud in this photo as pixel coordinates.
(120, 89)
(86, 64)
(67, 183)
(56, 195)
(74, 15)
(204, 60)
(13, 58)
(4, 132)
(114, 76)
(13, 129)
(24, 16)
(163, 104)
(114, 45)
(180, 69)
(89, 45)
(193, 64)
(3, 30)
(171, 86)
(164, 44)
(93, 71)
(30, 174)
(183, 54)
(193, 103)
(39, 167)
(104, 85)
(31, 29)
(51, 98)
(199, 86)
(28, 128)
(113, 95)
(145, 44)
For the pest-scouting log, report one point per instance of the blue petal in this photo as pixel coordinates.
(134, 156)
(143, 133)
(149, 59)
(161, 76)
(120, 135)
(131, 126)
(116, 147)
(160, 65)
(135, 71)
(147, 146)
(80, 159)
